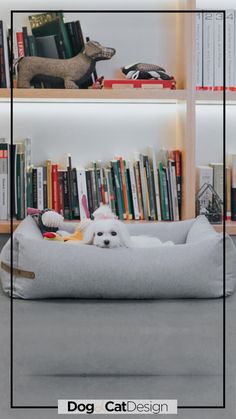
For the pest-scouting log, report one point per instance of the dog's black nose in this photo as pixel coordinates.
(106, 242)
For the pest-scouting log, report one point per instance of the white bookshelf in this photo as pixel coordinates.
(124, 121)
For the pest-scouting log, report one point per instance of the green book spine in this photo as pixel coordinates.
(32, 45)
(112, 193)
(118, 190)
(163, 206)
(96, 183)
(121, 190)
(127, 183)
(18, 186)
(65, 36)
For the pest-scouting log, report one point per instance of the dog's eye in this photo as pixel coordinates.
(114, 233)
(99, 233)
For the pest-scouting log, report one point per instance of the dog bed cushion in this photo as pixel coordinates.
(193, 268)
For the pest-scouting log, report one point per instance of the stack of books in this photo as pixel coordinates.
(213, 175)
(210, 50)
(145, 188)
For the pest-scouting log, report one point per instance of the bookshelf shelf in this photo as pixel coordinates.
(5, 226)
(230, 227)
(63, 95)
(215, 97)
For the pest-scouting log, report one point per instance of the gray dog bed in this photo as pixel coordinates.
(193, 268)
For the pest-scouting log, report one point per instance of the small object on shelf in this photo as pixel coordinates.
(208, 203)
(78, 68)
(145, 71)
(144, 84)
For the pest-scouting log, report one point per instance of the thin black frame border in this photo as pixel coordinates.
(223, 406)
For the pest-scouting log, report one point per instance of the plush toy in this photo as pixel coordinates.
(50, 224)
(71, 70)
(145, 71)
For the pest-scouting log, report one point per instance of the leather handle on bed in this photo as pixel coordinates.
(17, 271)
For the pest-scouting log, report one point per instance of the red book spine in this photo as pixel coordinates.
(55, 192)
(20, 44)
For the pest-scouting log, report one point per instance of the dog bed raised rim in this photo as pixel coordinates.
(193, 268)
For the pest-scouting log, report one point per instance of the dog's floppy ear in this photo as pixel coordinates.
(89, 234)
(124, 234)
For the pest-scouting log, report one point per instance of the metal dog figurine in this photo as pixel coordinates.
(78, 68)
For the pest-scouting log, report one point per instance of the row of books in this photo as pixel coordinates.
(50, 37)
(143, 189)
(213, 175)
(210, 50)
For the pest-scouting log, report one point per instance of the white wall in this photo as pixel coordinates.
(209, 141)
(90, 132)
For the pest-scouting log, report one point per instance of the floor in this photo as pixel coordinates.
(7, 413)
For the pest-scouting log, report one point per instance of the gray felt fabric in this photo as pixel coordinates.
(193, 269)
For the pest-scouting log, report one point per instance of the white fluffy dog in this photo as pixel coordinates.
(108, 232)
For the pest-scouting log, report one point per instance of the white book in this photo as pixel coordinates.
(6, 58)
(133, 190)
(83, 194)
(199, 40)
(218, 49)
(40, 203)
(156, 184)
(230, 44)
(208, 49)
(108, 194)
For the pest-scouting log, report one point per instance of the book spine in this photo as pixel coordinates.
(178, 168)
(3, 82)
(66, 195)
(22, 185)
(83, 194)
(133, 190)
(60, 192)
(34, 186)
(218, 180)
(75, 195)
(208, 51)
(40, 204)
(94, 189)
(150, 189)
(199, 40)
(89, 190)
(112, 198)
(29, 180)
(230, 45)
(233, 190)
(32, 46)
(18, 187)
(147, 194)
(65, 36)
(55, 199)
(26, 41)
(20, 44)
(124, 189)
(143, 188)
(166, 197)
(78, 36)
(49, 183)
(99, 187)
(218, 49)
(105, 187)
(118, 190)
(3, 181)
(71, 33)
(139, 189)
(45, 192)
(121, 188)
(162, 194)
(228, 193)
